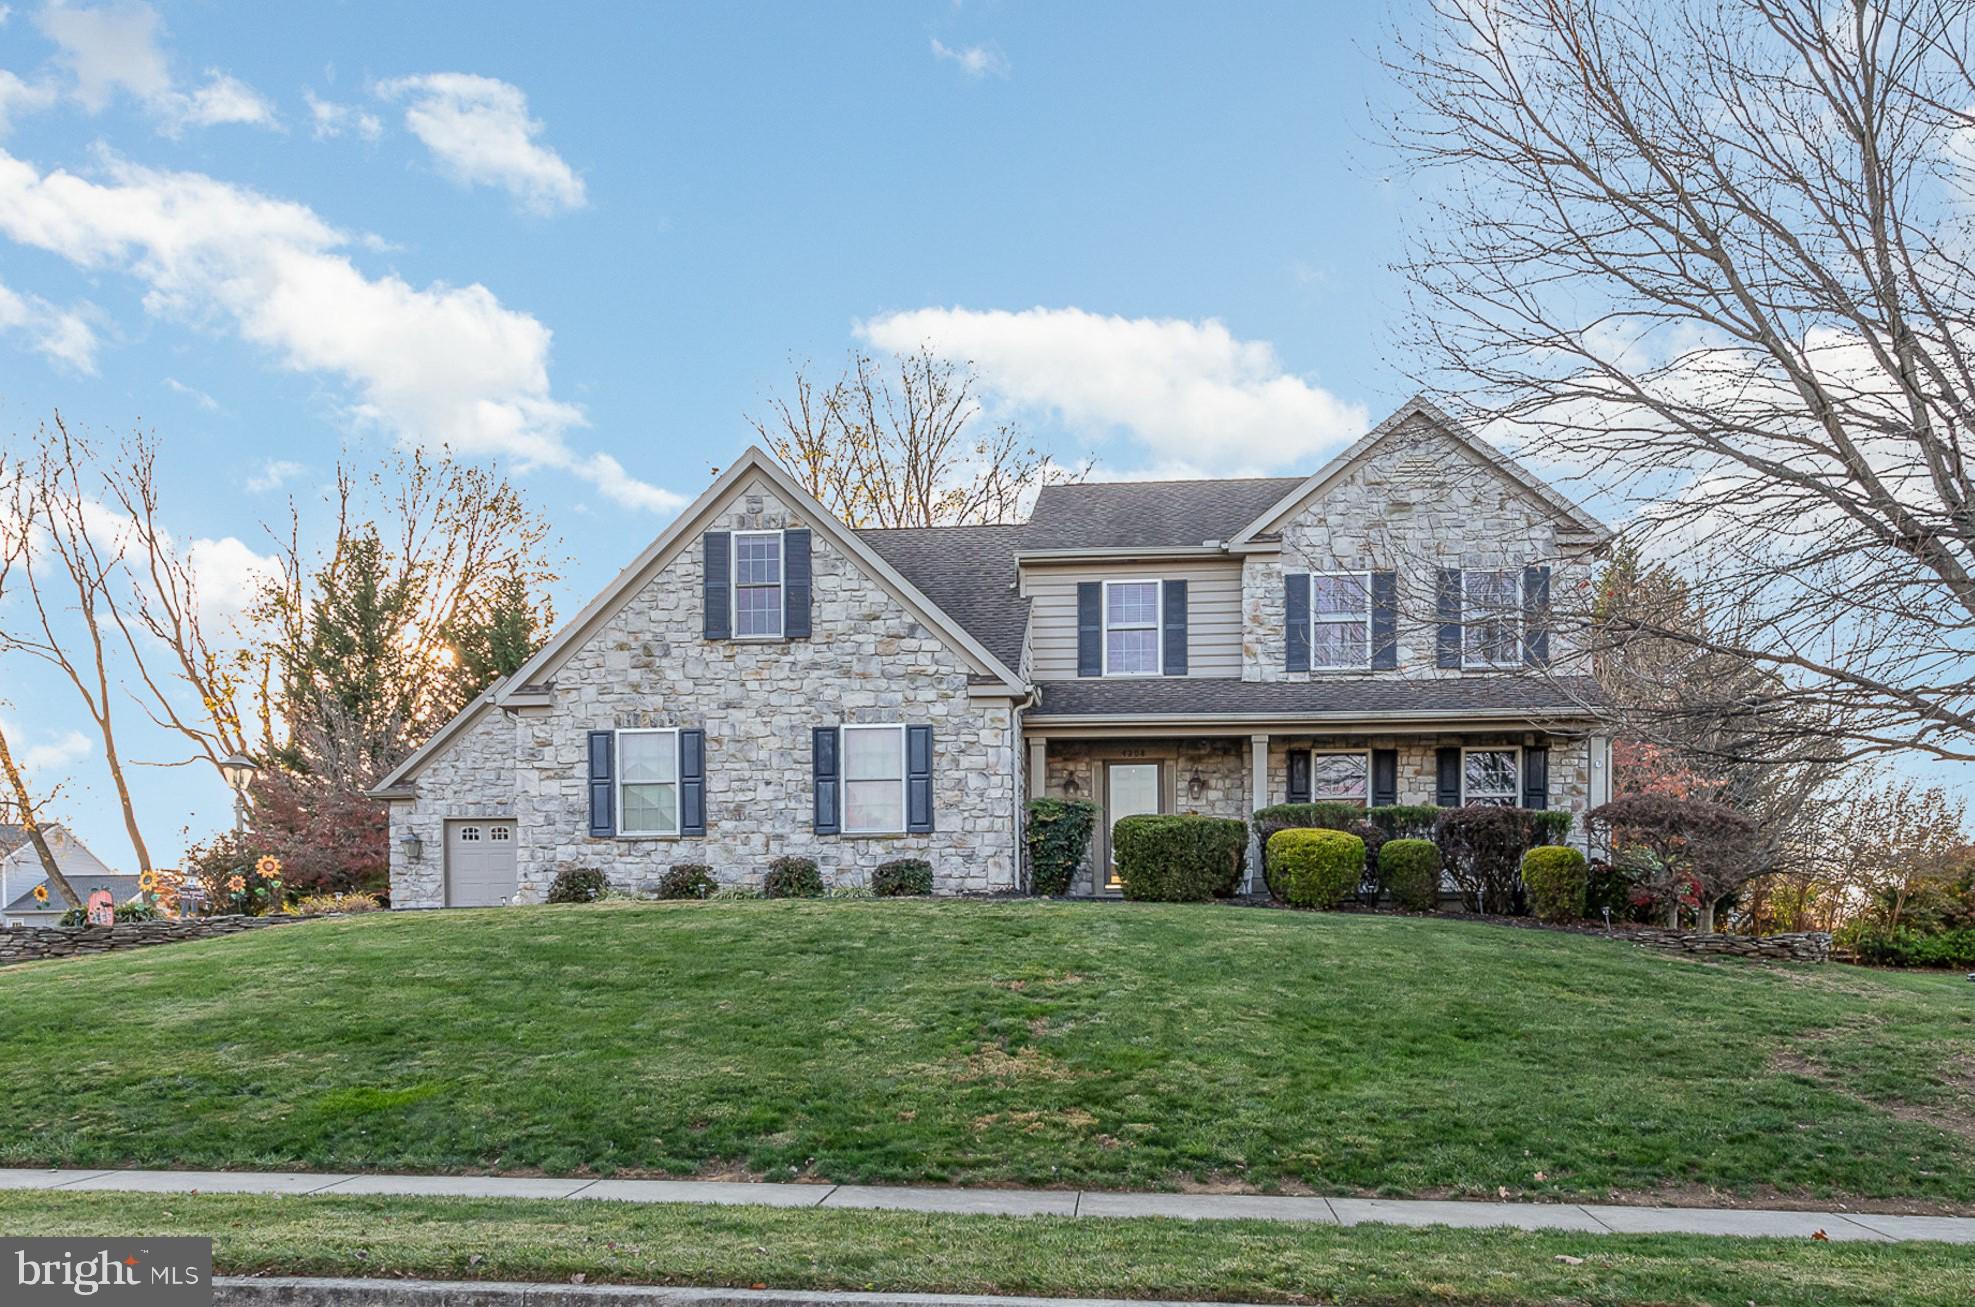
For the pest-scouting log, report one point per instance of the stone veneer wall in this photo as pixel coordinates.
(869, 661)
(1421, 502)
(1807, 946)
(31, 943)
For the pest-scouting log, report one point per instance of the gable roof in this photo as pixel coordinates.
(1419, 406)
(121, 887)
(969, 571)
(1148, 514)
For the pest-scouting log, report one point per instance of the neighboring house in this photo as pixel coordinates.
(764, 680)
(20, 872)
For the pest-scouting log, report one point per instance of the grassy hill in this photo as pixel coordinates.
(1033, 1043)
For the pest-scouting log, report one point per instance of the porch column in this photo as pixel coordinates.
(1258, 798)
(1038, 767)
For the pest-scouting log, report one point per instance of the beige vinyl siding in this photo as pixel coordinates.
(1213, 612)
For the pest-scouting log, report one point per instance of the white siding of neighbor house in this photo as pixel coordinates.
(1213, 612)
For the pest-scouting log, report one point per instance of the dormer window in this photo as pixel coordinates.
(757, 585)
(1131, 628)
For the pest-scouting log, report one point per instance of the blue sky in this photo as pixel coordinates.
(584, 240)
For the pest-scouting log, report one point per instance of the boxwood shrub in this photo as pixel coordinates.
(792, 878)
(1059, 839)
(902, 877)
(577, 885)
(1556, 878)
(687, 880)
(1181, 857)
(1372, 825)
(1410, 871)
(1316, 868)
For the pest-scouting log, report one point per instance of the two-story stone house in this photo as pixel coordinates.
(763, 679)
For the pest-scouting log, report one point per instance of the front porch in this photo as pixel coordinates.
(1225, 773)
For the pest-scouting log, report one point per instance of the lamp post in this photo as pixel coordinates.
(239, 771)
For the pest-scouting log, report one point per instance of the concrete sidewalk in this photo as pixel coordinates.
(1590, 1218)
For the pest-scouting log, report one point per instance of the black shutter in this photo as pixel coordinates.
(795, 583)
(824, 771)
(1447, 777)
(1447, 606)
(1536, 778)
(1299, 775)
(717, 621)
(1385, 621)
(1385, 777)
(603, 755)
(692, 782)
(1296, 622)
(1090, 628)
(918, 779)
(1536, 616)
(1173, 627)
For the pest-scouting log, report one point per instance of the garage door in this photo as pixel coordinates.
(479, 863)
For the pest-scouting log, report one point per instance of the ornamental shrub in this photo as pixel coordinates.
(902, 877)
(1347, 817)
(1404, 821)
(1556, 879)
(791, 877)
(315, 905)
(687, 880)
(1058, 837)
(1179, 858)
(577, 885)
(1410, 871)
(1900, 946)
(1682, 853)
(1482, 847)
(1317, 868)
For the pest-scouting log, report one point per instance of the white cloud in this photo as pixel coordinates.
(64, 335)
(438, 365)
(113, 49)
(230, 576)
(193, 393)
(974, 60)
(274, 473)
(333, 119)
(479, 130)
(59, 754)
(1192, 395)
(17, 96)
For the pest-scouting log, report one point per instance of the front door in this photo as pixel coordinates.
(1130, 788)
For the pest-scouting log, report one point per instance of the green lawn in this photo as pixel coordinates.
(1256, 1261)
(1107, 1045)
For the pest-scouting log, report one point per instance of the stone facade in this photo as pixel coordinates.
(869, 660)
(1419, 502)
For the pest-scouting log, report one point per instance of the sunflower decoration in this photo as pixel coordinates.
(236, 883)
(269, 867)
(40, 893)
(147, 881)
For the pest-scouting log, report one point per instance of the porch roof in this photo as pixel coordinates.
(1332, 700)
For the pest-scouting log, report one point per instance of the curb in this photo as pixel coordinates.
(272, 1291)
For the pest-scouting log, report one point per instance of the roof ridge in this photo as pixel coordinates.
(1177, 481)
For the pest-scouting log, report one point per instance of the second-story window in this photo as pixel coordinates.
(1491, 618)
(1131, 628)
(757, 584)
(1340, 621)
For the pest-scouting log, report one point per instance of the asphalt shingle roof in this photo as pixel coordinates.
(120, 886)
(1142, 514)
(969, 571)
(1571, 695)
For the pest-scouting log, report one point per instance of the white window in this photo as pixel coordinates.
(873, 780)
(1340, 777)
(1491, 618)
(1340, 620)
(648, 782)
(757, 584)
(1489, 776)
(1131, 628)
(469, 835)
(499, 834)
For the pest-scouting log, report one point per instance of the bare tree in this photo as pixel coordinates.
(1715, 256)
(905, 447)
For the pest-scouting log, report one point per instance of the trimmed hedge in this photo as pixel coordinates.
(902, 877)
(1317, 868)
(577, 885)
(1482, 846)
(1372, 825)
(1410, 871)
(1059, 840)
(792, 878)
(687, 880)
(1556, 878)
(1179, 858)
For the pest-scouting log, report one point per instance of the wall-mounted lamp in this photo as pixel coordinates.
(1196, 786)
(1070, 786)
(413, 846)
